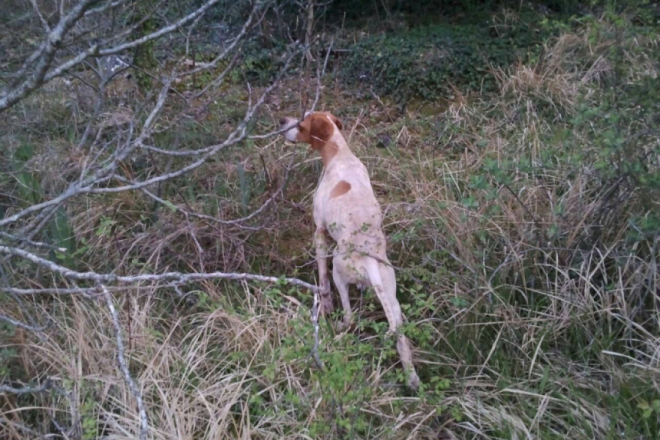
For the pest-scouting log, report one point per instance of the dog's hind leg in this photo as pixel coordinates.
(342, 287)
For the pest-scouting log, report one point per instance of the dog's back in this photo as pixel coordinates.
(345, 203)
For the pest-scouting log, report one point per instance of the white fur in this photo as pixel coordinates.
(291, 135)
(292, 125)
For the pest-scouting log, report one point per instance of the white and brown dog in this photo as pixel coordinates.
(346, 208)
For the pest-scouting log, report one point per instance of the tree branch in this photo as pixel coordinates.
(320, 75)
(46, 53)
(144, 423)
(29, 242)
(159, 33)
(7, 389)
(21, 324)
(167, 276)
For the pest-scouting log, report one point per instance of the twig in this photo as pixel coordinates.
(534, 219)
(310, 28)
(88, 292)
(186, 213)
(320, 75)
(144, 424)
(315, 322)
(45, 54)
(37, 11)
(19, 427)
(30, 242)
(7, 389)
(235, 222)
(213, 64)
(236, 136)
(105, 8)
(106, 172)
(167, 276)
(21, 324)
(270, 134)
(159, 33)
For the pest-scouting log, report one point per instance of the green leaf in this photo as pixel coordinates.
(656, 406)
(460, 302)
(170, 206)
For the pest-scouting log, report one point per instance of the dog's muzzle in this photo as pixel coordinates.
(291, 127)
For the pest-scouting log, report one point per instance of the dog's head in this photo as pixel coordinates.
(316, 129)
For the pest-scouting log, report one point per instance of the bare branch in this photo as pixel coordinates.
(82, 56)
(167, 276)
(37, 11)
(21, 324)
(89, 292)
(7, 389)
(235, 222)
(38, 222)
(103, 174)
(315, 322)
(135, 26)
(109, 6)
(106, 172)
(144, 423)
(171, 205)
(212, 64)
(159, 33)
(75, 189)
(30, 242)
(320, 75)
(269, 134)
(234, 137)
(47, 53)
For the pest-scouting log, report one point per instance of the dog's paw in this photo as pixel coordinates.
(327, 308)
(343, 325)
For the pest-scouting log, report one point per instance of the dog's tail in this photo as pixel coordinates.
(386, 293)
(373, 272)
(387, 297)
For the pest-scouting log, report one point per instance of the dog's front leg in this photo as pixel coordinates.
(322, 261)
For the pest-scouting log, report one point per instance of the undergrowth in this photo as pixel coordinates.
(429, 62)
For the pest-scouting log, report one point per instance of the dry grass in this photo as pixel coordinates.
(522, 331)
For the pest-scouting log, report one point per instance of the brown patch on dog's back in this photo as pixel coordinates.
(340, 189)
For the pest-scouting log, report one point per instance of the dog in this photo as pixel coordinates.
(346, 208)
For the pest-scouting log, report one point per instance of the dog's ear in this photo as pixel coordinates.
(320, 131)
(337, 121)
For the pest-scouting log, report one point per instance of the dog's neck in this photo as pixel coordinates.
(332, 147)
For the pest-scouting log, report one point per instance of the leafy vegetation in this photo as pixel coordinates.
(429, 62)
